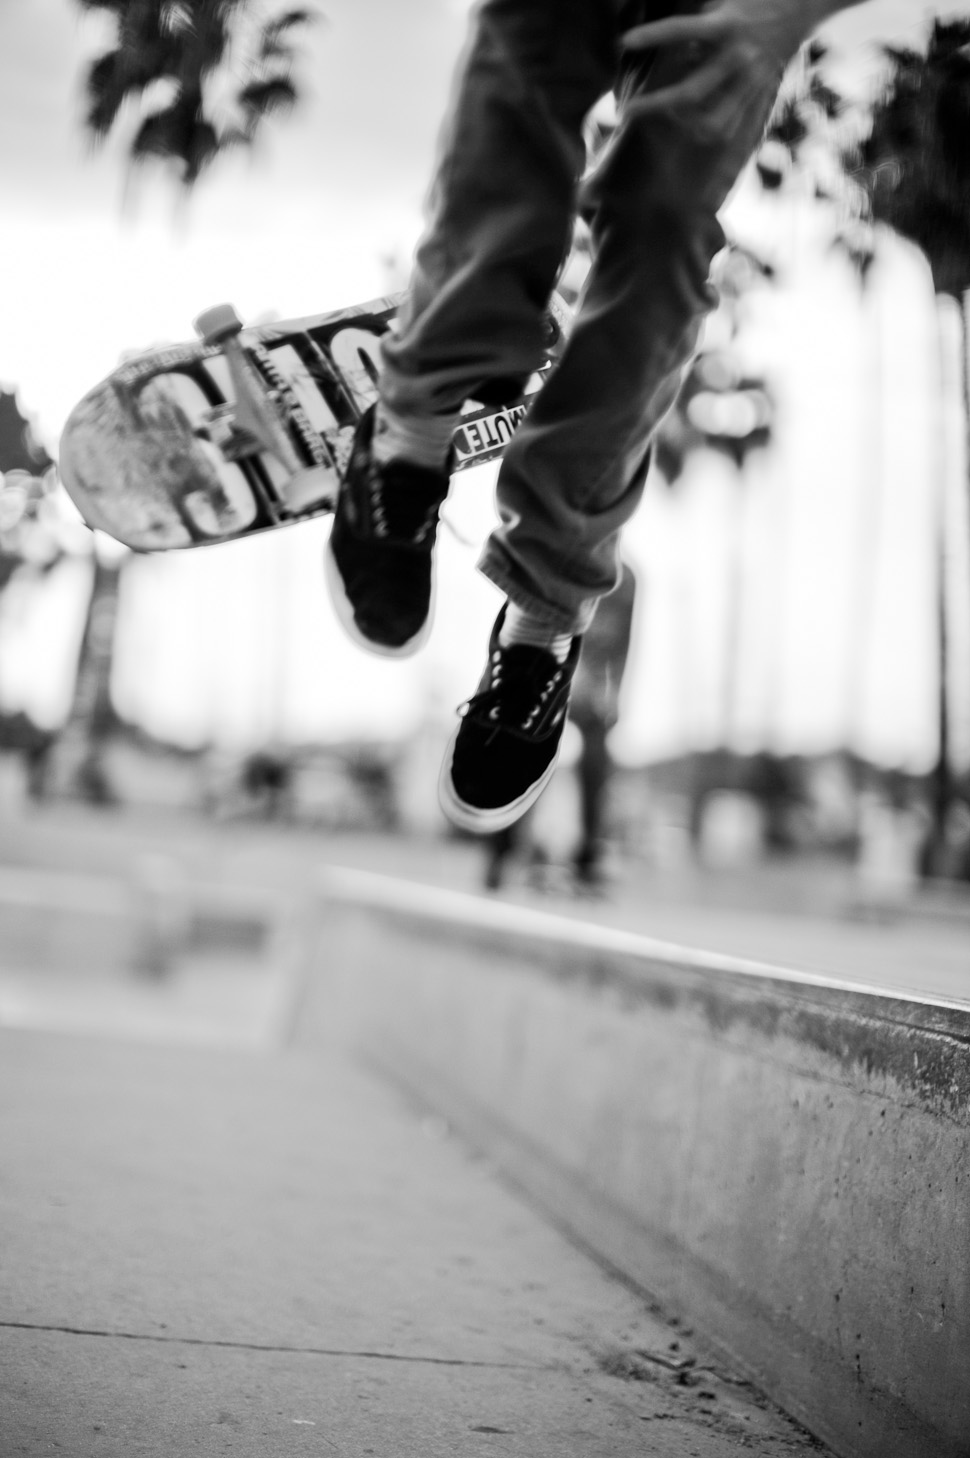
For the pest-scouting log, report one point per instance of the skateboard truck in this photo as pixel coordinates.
(221, 326)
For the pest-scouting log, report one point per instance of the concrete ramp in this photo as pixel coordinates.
(781, 1159)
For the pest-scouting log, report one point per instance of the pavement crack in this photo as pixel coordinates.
(361, 1353)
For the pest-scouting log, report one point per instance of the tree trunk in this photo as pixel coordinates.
(963, 305)
(942, 778)
(734, 614)
(92, 717)
(869, 527)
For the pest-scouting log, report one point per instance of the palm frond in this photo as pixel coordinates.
(162, 133)
(858, 251)
(184, 43)
(913, 165)
(788, 125)
(105, 91)
(825, 97)
(177, 133)
(275, 39)
(273, 95)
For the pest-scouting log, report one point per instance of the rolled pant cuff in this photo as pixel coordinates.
(562, 620)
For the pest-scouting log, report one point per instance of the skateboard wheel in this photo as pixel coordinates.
(218, 323)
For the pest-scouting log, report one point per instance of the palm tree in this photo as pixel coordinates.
(913, 165)
(861, 253)
(722, 408)
(906, 168)
(167, 59)
(174, 61)
(913, 169)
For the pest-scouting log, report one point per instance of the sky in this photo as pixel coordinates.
(837, 619)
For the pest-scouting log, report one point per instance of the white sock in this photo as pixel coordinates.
(521, 627)
(424, 441)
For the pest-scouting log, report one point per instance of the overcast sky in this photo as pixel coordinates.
(98, 261)
(300, 226)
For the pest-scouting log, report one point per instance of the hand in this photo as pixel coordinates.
(742, 48)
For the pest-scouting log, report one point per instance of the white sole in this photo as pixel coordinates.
(344, 610)
(485, 822)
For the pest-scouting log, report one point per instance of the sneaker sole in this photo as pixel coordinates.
(472, 817)
(344, 610)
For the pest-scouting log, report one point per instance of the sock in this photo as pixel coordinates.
(521, 627)
(424, 441)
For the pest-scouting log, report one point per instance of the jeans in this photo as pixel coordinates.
(506, 193)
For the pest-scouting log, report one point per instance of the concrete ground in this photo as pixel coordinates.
(249, 1244)
(272, 1253)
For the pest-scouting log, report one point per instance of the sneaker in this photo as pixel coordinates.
(504, 751)
(379, 563)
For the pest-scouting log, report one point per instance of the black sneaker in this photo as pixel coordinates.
(379, 561)
(503, 753)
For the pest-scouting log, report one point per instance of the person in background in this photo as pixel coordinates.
(594, 709)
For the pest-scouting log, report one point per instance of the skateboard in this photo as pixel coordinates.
(246, 429)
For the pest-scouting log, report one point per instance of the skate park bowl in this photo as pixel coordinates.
(780, 1160)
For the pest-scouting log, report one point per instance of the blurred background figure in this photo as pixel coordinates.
(267, 779)
(594, 709)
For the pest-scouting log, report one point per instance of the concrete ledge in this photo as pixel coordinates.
(782, 1160)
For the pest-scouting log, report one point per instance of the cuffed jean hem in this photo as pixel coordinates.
(563, 620)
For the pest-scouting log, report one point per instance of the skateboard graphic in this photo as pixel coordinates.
(247, 429)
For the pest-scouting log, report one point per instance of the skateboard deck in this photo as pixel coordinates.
(246, 429)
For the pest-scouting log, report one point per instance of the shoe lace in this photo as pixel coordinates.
(404, 503)
(516, 694)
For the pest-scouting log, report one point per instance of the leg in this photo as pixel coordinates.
(594, 769)
(502, 205)
(574, 473)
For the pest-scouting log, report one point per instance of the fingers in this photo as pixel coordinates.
(674, 29)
